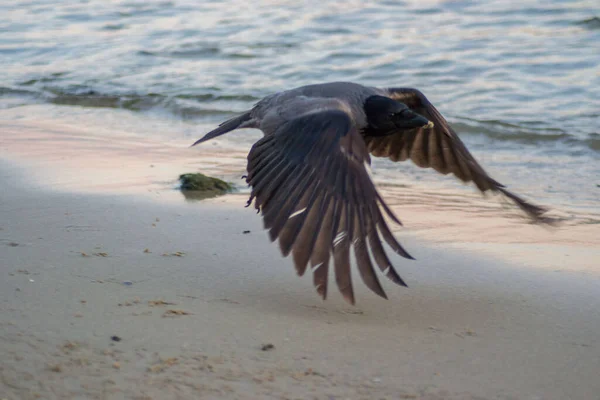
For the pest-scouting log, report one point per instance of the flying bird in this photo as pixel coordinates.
(310, 181)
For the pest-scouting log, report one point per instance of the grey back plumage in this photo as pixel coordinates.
(281, 107)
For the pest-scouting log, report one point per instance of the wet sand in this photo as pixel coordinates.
(114, 287)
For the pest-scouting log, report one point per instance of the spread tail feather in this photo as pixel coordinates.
(225, 127)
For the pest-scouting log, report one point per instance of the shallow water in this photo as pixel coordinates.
(520, 81)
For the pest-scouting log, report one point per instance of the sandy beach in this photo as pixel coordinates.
(114, 287)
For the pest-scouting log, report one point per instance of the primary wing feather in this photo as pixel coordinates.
(440, 148)
(310, 182)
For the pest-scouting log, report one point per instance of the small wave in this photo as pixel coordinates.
(44, 79)
(114, 27)
(5, 91)
(172, 105)
(187, 106)
(210, 49)
(198, 53)
(201, 51)
(183, 53)
(214, 97)
(12, 98)
(523, 134)
(194, 106)
(593, 141)
(590, 23)
(93, 99)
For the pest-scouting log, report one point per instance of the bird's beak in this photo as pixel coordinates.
(411, 120)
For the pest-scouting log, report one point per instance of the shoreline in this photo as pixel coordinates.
(483, 318)
(84, 162)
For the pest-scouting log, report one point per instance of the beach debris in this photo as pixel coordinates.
(196, 186)
(12, 244)
(127, 283)
(147, 251)
(175, 254)
(224, 300)
(312, 372)
(116, 365)
(175, 313)
(97, 254)
(78, 315)
(188, 296)
(159, 302)
(245, 232)
(267, 347)
(468, 332)
(130, 303)
(157, 219)
(352, 312)
(115, 338)
(163, 364)
(580, 344)
(308, 372)
(269, 377)
(69, 346)
(83, 301)
(55, 368)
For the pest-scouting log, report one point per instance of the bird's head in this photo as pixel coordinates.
(385, 115)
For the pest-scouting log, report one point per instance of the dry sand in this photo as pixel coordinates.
(112, 287)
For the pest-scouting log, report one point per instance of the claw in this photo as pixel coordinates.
(249, 201)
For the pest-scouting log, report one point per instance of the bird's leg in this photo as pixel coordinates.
(252, 196)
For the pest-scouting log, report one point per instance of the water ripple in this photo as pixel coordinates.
(522, 78)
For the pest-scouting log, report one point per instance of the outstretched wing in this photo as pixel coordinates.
(441, 149)
(309, 180)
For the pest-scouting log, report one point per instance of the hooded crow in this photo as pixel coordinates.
(309, 173)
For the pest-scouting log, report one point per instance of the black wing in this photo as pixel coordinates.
(441, 149)
(309, 180)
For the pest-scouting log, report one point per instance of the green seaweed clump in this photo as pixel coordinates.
(196, 186)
